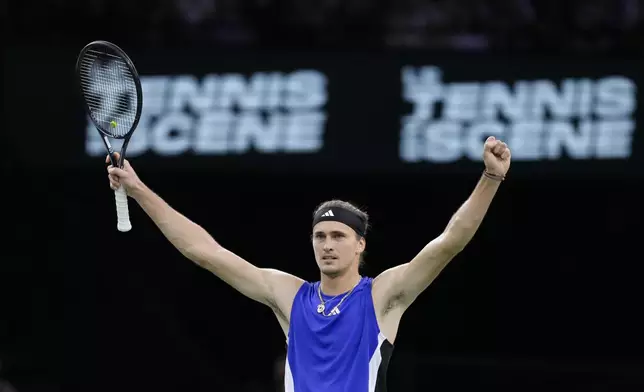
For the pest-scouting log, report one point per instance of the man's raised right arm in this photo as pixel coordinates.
(268, 286)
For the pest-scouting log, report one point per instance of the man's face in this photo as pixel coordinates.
(336, 247)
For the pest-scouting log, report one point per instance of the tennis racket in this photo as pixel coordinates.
(113, 99)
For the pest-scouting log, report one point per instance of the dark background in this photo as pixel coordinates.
(547, 295)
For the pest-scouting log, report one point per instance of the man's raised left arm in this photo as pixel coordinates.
(405, 282)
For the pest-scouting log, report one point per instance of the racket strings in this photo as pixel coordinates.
(110, 91)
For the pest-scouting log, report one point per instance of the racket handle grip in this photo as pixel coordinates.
(122, 212)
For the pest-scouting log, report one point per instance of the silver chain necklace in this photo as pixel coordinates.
(336, 308)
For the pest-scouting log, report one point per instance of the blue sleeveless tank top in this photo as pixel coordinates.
(344, 352)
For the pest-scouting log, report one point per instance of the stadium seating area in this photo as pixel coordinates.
(461, 25)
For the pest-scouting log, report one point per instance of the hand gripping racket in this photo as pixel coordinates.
(113, 99)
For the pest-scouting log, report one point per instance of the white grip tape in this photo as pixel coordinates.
(122, 212)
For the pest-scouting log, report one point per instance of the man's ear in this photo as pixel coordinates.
(362, 244)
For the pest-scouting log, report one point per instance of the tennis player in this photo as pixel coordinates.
(341, 329)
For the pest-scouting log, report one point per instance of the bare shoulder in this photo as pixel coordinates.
(277, 278)
(283, 287)
(385, 286)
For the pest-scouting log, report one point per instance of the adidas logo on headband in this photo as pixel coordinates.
(328, 213)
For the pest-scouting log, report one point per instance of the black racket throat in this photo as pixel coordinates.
(114, 161)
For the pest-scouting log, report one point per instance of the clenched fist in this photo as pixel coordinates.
(496, 156)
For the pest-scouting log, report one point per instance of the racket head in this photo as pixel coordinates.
(111, 89)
